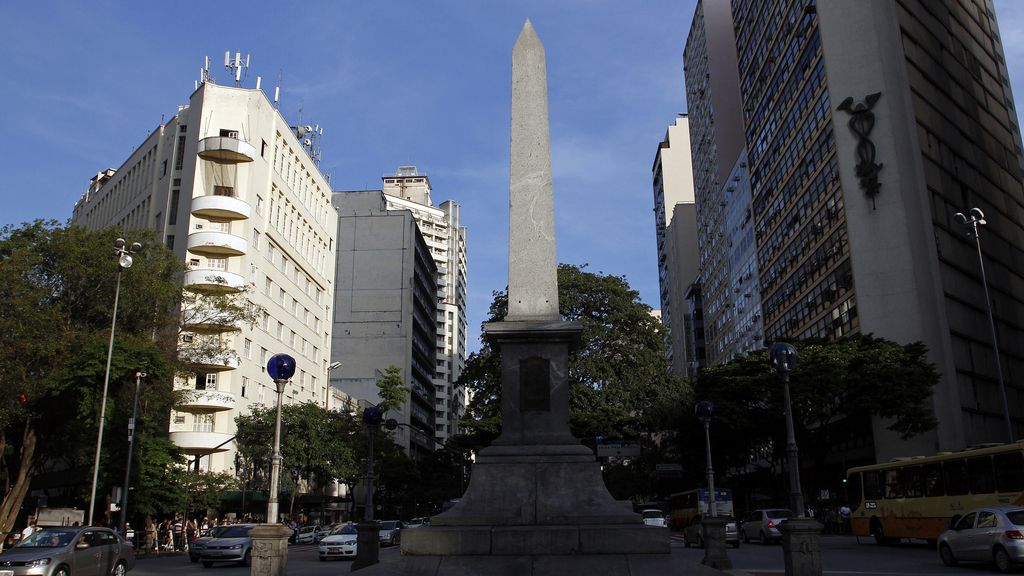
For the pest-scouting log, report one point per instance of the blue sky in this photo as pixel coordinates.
(392, 83)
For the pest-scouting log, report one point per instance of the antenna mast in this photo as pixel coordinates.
(238, 68)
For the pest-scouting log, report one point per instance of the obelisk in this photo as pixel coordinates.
(535, 490)
(532, 264)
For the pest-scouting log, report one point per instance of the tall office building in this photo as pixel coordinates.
(730, 297)
(675, 228)
(237, 195)
(385, 310)
(868, 126)
(445, 236)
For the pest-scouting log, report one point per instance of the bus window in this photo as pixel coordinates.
(853, 489)
(892, 484)
(981, 474)
(956, 477)
(933, 485)
(873, 485)
(912, 487)
(1010, 472)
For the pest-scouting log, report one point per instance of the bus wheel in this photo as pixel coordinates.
(947, 555)
(879, 533)
(1003, 562)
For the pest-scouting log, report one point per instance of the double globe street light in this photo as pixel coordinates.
(124, 262)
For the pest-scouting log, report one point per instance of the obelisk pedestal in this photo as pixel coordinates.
(536, 490)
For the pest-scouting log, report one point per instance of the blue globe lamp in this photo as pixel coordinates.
(281, 368)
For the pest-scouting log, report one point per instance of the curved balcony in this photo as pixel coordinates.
(215, 207)
(216, 243)
(225, 150)
(201, 442)
(205, 401)
(211, 325)
(215, 364)
(211, 280)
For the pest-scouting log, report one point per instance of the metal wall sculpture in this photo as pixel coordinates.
(862, 120)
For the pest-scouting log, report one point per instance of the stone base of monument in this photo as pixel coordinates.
(714, 543)
(801, 546)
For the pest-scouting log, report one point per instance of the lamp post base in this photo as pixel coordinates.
(801, 546)
(714, 543)
(270, 549)
(367, 545)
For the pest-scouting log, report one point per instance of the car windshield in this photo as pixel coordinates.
(216, 531)
(1017, 517)
(234, 532)
(777, 513)
(389, 525)
(47, 539)
(346, 529)
(653, 514)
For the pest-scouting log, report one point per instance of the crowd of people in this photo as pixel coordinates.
(174, 535)
(836, 519)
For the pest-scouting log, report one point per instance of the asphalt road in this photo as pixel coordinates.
(841, 556)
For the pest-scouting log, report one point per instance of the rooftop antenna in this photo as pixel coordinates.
(236, 66)
(204, 73)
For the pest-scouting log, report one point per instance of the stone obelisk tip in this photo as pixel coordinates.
(532, 267)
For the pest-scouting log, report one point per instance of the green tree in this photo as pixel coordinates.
(391, 389)
(835, 387)
(59, 286)
(620, 383)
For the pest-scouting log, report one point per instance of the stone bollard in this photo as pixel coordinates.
(367, 545)
(714, 543)
(801, 547)
(269, 549)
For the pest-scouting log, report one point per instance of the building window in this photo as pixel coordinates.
(217, 263)
(179, 153)
(211, 381)
(170, 241)
(245, 385)
(163, 168)
(263, 149)
(259, 204)
(224, 191)
(256, 239)
(248, 349)
(202, 423)
(172, 215)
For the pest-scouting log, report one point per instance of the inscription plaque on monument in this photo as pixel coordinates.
(535, 385)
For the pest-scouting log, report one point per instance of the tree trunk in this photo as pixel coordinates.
(13, 498)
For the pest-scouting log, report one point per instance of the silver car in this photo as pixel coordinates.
(67, 551)
(390, 532)
(233, 544)
(763, 525)
(987, 534)
(694, 532)
(195, 547)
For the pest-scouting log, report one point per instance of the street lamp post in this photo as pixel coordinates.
(704, 410)
(368, 539)
(124, 262)
(801, 548)
(713, 527)
(783, 357)
(977, 217)
(281, 368)
(131, 444)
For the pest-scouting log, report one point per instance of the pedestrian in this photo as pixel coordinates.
(178, 529)
(150, 541)
(830, 520)
(844, 518)
(29, 528)
(190, 530)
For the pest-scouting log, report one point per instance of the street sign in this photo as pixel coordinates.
(618, 450)
(668, 470)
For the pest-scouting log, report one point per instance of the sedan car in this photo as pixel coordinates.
(69, 550)
(340, 543)
(418, 522)
(308, 535)
(763, 525)
(988, 534)
(233, 544)
(694, 532)
(196, 546)
(390, 532)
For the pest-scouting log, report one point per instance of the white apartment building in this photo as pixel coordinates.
(235, 192)
(444, 234)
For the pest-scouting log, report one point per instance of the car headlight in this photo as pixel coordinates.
(236, 546)
(40, 562)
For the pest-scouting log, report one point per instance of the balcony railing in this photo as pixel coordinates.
(206, 401)
(201, 442)
(216, 207)
(212, 280)
(226, 150)
(216, 243)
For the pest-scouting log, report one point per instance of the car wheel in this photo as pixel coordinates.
(247, 561)
(1002, 559)
(207, 564)
(120, 569)
(947, 555)
(764, 538)
(880, 538)
(62, 571)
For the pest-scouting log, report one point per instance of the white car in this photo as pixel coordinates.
(653, 517)
(990, 534)
(308, 535)
(340, 543)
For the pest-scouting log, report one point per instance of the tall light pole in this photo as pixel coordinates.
(368, 539)
(704, 409)
(281, 368)
(783, 357)
(977, 217)
(327, 393)
(124, 262)
(131, 444)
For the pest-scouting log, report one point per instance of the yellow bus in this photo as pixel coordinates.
(683, 506)
(917, 497)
